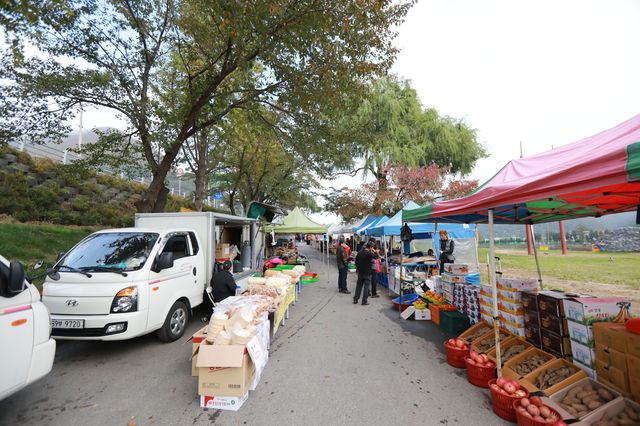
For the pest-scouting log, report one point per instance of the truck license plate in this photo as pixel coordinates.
(65, 323)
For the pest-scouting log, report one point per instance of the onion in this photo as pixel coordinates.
(544, 411)
(524, 402)
(533, 410)
(501, 381)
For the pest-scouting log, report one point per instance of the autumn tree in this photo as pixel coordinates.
(174, 68)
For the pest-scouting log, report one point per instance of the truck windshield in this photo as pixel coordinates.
(123, 251)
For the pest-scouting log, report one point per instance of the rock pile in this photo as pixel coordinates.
(623, 239)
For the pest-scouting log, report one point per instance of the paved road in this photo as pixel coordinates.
(333, 363)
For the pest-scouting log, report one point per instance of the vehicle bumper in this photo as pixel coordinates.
(95, 326)
(42, 360)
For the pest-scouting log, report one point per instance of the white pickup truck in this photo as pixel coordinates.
(121, 283)
(26, 348)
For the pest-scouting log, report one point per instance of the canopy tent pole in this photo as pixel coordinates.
(436, 246)
(535, 253)
(492, 280)
(477, 243)
(386, 261)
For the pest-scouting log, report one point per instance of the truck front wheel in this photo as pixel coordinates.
(175, 324)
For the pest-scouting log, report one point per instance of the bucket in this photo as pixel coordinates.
(528, 421)
(455, 356)
(479, 376)
(503, 404)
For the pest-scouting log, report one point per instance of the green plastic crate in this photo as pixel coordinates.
(453, 322)
(284, 267)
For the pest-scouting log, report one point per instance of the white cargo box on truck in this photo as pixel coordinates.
(205, 224)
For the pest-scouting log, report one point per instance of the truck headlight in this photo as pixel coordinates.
(125, 301)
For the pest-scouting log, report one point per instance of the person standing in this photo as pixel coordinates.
(446, 249)
(342, 259)
(376, 269)
(363, 267)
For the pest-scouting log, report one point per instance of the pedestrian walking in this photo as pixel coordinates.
(363, 267)
(342, 260)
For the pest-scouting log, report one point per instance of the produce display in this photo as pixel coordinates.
(480, 360)
(476, 334)
(509, 388)
(581, 400)
(485, 344)
(511, 352)
(554, 375)
(529, 364)
(458, 344)
(628, 416)
(533, 408)
(434, 298)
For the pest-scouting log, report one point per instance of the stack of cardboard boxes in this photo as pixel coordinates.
(582, 313)
(454, 273)
(472, 303)
(618, 358)
(510, 307)
(226, 373)
(223, 251)
(545, 324)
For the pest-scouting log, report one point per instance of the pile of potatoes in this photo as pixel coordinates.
(628, 416)
(478, 333)
(529, 364)
(511, 352)
(552, 376)
(581, 400)
(490, 342)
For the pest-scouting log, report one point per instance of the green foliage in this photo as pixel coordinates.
(87, 204)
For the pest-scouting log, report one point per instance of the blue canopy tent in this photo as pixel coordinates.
(365, 230)
(366, 222)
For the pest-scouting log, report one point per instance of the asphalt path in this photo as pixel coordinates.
(332, 363)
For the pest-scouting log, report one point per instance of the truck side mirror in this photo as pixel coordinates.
(165, 261)
(16, 278)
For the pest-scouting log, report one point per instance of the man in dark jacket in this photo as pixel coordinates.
(223, 283)
(342, 259)
(363, 266)
(446, 249)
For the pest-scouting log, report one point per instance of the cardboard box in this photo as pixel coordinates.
(223, 251)
(591, 372)
(557, 325)
(512, 341)
(634, 388)
(530, 300)
(581, 333)
(577, 376)
(450, 278)
(509, 318)
(517, 284)
(583, 354)
(532, 334)
(509, 367)
(587, 310)
(610, 356)
(550, 302)
(555, 343)
(511, 307)
(608, 411)
(559, 395)
(456, 268)
(196, 339)
(223, 402)
(611, 335)
(531, 317)
(633, 365)
(633, 343)
(516, 330)
(224, 370)
(618, 378)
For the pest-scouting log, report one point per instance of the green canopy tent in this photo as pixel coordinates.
(297, 222)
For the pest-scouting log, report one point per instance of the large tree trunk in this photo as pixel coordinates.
(155, 198)
(383, 184)
(201, 174)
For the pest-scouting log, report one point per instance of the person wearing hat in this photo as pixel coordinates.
(223, 283)
(446, 249)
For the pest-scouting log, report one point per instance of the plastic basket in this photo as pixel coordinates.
(454, 322)
(404, 302)
(435, 314)
(523, 420)
(479, 376)
(503, 404)
(309, 278)
(455, 356)
(284, 267)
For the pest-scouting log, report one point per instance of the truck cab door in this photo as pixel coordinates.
(168, 285)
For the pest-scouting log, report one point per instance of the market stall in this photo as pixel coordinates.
(592, 177)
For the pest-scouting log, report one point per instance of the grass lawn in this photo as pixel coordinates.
(610, 268)
(31, 242)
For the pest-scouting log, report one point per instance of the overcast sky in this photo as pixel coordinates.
(544, 73)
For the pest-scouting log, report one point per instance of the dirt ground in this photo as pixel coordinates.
(592, 288)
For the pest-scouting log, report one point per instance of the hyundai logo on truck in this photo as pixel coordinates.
(72, 303)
